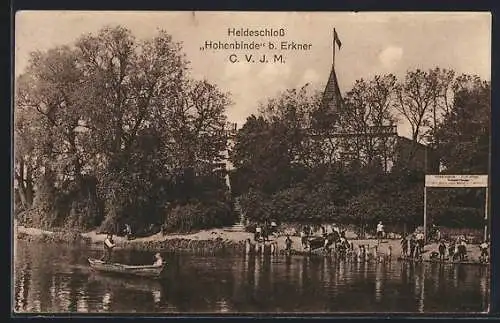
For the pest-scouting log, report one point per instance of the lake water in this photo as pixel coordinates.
(54, 278)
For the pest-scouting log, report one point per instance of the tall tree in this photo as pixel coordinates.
(47, 116)
(46, 101)
(261, 156)
(415, 97)
(443, 81)
(464, 135)
(117, 113)
(368, 119)
(292, 112)
(422, 100)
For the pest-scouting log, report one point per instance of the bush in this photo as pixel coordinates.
(110, 223)
(197, 215)
(250, 227)
(36, 218)
(296, 204)
(459, 217)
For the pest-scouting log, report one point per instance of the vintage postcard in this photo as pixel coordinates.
(251, 162)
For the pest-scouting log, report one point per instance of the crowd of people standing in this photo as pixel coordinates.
(263, 232)
(412, 245)
(331, 237)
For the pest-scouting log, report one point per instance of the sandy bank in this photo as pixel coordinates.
(211, 234)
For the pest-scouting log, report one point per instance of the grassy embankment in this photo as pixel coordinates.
(209, 241)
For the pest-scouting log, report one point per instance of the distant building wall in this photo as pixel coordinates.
(415, 156)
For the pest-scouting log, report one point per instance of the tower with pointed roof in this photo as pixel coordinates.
(331, 102)
(348, 145)
(332, 98)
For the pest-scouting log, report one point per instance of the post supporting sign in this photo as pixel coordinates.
(456, 181)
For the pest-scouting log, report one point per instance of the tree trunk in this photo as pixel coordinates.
(30, 192)
(20, 183)
(22, 197)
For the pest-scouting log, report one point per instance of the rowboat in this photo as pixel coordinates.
(117, 268)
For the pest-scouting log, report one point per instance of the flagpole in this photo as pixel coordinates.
(333, 58)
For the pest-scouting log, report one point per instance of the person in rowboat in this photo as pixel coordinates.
(158, 260)
(109, 244)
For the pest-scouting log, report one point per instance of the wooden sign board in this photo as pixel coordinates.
(456, 180)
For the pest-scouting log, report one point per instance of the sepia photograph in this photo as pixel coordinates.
(216, 162)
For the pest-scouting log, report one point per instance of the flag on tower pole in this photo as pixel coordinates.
(336, 38)
(336, 41)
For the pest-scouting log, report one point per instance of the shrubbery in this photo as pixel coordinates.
(459, 217)
(392, 199)
(197, 215)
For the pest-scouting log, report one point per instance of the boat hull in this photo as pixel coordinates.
(116, 268)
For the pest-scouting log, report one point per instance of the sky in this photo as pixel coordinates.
(372, 43)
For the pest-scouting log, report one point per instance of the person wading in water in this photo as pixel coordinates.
(404, 246)
(442, 250)
(484, 251)
(109, 244)
(288, 243)
(413, 245)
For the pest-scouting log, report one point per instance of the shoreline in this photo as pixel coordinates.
(207, 241)
(211, 241)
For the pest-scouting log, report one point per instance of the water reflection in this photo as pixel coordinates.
(420, 285)
(256, 274)
(82, 305)
(106, 301)
(244, 284)
(483, 283)
(378, 282)
(223, 306)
